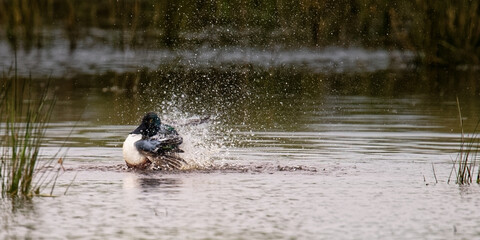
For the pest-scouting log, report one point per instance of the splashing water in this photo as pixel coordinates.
(202, 143)
(200, 148)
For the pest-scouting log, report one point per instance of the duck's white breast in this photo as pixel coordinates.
(130, 153)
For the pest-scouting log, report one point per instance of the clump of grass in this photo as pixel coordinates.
(24, 118)
(467, 156)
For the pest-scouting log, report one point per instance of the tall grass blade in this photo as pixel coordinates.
(467, 156)
(24, 117)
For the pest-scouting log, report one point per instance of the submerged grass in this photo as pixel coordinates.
(465, 163)
(23, 125)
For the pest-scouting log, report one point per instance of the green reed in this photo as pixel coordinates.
(24, 118)
(465, 163)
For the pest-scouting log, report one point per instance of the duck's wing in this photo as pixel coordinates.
(154, 150)
(157, 146)
(167, 162)
(174, 140)
(168, 138)
(147, 146)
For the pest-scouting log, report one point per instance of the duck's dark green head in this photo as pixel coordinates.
(149, 126)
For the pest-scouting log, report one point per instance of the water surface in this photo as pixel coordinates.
(292, 152)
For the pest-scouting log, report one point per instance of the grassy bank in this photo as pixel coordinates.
(440, 32)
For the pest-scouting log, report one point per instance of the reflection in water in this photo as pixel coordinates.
(136, 181)
(245, 94)
(280, 110)
(18, 218)
(130, 181)
(163, 183)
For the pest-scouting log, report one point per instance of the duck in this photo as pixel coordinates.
(153, 144)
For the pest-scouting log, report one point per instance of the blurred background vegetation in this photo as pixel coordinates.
(440, 33)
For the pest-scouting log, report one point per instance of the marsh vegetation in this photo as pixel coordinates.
(466, 163)
(439, 32)
(24, 119)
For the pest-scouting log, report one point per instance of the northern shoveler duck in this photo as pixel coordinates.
(153, 143)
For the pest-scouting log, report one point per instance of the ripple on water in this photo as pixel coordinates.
(214, 168)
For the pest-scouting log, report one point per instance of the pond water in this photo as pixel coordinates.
(326, 146)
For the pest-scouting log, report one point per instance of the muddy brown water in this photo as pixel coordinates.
(290, 153)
